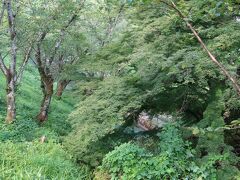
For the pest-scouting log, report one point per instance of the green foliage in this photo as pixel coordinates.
(156, 65)
(175, 160)
(24, 130)
(28, 97)
(211, 143)
(100, 114)
(24, 157)
(37, 160)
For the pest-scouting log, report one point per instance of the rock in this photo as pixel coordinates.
(147, 122)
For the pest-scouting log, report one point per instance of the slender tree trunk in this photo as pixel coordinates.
(46, 82)
(11, 105)
(11, 72)
(47, 89)
(62, 84)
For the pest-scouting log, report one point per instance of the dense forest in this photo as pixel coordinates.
(120, 89)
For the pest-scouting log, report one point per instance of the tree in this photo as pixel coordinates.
(171, 5)
(10, 72)
(231, 78)
(156, 65)
(100, 24)
(48, 43)
(73, 50)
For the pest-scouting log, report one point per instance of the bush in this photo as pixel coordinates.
(175, 160)
(99, 116)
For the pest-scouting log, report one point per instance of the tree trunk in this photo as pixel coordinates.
(62, 84)
(47, 89)
(11, 72)
(11, 105)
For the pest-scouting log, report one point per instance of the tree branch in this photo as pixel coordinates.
(112, 25)
(23, 66)
(3, 66)
(2, 12)
(39, 61)
(12, 32)
(63, 31)
(211, 56)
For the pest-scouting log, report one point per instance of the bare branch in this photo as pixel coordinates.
(34, 62)
(41, 37)
(6, 54)
(62, 33)
(3, 66)
(2, 12)
(112, 24)
(24, 63)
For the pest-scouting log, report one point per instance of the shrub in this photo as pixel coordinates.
(175, 160)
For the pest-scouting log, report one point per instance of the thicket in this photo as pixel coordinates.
(174, 159)
(141, 58)
(157, 65)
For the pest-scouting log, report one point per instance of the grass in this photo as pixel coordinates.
(22, 156)
(29, 97)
